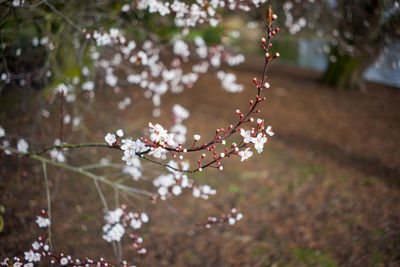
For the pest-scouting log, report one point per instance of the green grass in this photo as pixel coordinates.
(376, 258)
(312, 257)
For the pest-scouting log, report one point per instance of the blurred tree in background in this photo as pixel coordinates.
(364, 28)
(357, 30)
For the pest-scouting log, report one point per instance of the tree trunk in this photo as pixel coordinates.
(346, 73)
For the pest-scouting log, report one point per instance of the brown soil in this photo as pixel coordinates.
(324, 193)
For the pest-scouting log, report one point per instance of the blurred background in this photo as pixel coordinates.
(325, 191)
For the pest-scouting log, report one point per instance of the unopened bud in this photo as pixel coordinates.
(255, 80)
(266, 85)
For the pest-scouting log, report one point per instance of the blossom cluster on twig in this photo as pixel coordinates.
(162, 146)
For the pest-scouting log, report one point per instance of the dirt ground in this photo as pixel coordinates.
(325, 192)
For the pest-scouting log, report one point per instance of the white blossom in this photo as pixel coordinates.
(63, 261)
(113, 216)
(115, 233)
(180, 112)
(136, 223)
(162, 191)
(144, 217)
(32, 256)
(228, 81)
(22, 146)
(110, 139)
(88, 86)
(246, 135)
(269, 131)
(36, 245)
(176, 190)
(157, 133)
(259, 141)
(120, 133)
(245, 154)
(181, 49)
(134, 172)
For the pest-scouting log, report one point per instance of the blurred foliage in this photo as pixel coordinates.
(65, 23)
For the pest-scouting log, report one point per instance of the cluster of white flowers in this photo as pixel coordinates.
(191, 14)
(228, 81)
(174, 182)
(147, 70)
(43, 221)
(114, 36)
(5, 143)
(70, 90)
(131, 149)
(32, 256)
(231, 218)
(127, 101)
(201, 49)
(160, 136)
(113, 231)
(257, 141)
(235, 217)
(57, 154)
(235, 60)
(178, 129)
(117, 220)
(294, 27)
(181, 49)
(133, 171)
(17, 3)
(88, 86)
(40, 250)
(36, 41)
(185, 15)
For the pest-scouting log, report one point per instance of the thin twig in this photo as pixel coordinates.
(46, 183)
(103, 199)
(67, 19)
